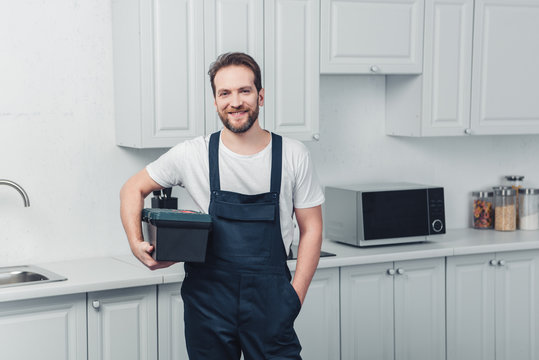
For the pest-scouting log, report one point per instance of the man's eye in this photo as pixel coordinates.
(246, 91)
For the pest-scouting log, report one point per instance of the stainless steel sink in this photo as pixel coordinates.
(26, 275)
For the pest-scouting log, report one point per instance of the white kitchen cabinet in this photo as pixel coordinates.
(479, 76)
(292, 80)
(437, 102)
(51, 328)
(372, 37)
(493, 306)
(393, 310)
(317, 324)
(505, 77)
(158, 71)
(163, 50)
(122, 324)
(170, 322)
(231, 26)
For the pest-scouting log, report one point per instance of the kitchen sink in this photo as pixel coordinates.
(26, 275)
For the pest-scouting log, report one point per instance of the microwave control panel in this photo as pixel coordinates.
(436, 211)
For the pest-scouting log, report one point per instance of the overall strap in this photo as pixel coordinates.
(215, 182)
(276, 162)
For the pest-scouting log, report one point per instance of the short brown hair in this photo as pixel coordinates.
(235, 58)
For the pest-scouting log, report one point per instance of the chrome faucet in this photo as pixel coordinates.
(18, 188)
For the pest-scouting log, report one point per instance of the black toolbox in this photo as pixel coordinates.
(177, 235)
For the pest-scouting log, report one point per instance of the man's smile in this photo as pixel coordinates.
(237, 113)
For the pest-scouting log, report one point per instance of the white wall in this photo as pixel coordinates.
(57, 138)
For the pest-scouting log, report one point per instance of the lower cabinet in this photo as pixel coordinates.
(170, 323)
(317, 324)
(493, 306)
(122, 324)
(393, 310)
(384, 311)
(51, 328)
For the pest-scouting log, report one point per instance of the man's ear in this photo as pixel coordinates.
(261, 97)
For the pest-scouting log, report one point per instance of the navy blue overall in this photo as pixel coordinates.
(241, 299)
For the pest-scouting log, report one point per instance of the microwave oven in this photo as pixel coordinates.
(379, 214)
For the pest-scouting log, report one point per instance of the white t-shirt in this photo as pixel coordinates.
(187, 165)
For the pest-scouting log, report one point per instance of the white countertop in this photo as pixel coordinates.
(96, 274)
(455, 242)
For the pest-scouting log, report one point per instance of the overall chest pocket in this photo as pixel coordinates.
(243, 231)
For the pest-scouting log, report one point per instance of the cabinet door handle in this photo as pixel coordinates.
(501, 263)
(391, 272)
(493, 262)
(375, 69)
(468, 131)
(96, 304)
(316, 137)
(400, 271)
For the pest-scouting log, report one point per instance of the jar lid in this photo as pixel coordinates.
(505, 192)
(482, 194)
(501, 187)
(528, 191)
(514, 177)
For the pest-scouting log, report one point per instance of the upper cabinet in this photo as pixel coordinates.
(479, 75)
(505, 77)
(231, 25)
(437, 102)
(158, 71)
(292, 81)
(370, 37)
(163, 49)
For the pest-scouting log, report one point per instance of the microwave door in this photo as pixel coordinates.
(395, 214)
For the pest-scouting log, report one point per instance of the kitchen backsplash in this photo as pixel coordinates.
(57, 139)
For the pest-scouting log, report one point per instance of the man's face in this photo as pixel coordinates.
(236, 98)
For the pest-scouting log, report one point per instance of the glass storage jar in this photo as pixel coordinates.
(528, 209)
(505, 209)
(483, 209)
(515, 182)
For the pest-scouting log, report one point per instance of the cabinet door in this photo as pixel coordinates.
(158, 71)
(172, 71)
(447, 67)
(122, 324)
(470, 307)
(505, 79)
(292, 34)
(517, 305)
(365, 36)
(170, 319)
(420, 309)
(52, 328)
(367, 312)
(317, 325)
(230, 26)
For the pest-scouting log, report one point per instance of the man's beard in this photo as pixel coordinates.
(251, 118)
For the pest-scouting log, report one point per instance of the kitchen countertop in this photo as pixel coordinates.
(97, 274)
